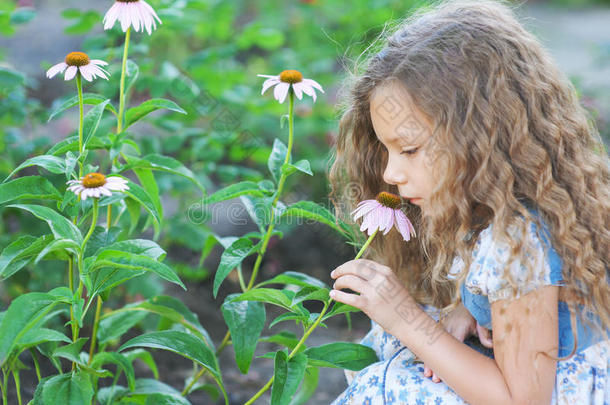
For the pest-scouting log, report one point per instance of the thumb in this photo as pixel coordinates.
(484, 336)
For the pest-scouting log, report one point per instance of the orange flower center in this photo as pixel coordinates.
(291, 76)
(388, 199)
(77, 59)
(93, 180)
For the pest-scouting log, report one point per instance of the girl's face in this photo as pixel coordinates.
(405, 132)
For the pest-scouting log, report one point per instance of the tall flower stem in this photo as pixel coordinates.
(96, 322)
(17, 385)
(119, 126)
(267, 236)
(79, 87)
(366, 244)
(81, 255)
(292, 353)
(280, 187)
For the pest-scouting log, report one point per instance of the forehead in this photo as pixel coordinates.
(395, 117)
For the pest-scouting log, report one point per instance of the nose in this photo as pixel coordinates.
(393, 173)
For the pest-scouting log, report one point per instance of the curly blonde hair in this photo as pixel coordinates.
(513, 134)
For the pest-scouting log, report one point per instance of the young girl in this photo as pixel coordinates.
(464, 115)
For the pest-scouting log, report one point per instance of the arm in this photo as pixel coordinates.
(513, 378)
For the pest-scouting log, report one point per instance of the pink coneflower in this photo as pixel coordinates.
(382, 213)
(97, 185)
(136, 13)
(287, 79)
(79, 62)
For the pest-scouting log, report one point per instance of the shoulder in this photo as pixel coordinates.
(498, 271)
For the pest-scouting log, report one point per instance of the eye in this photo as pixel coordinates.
(410, 152)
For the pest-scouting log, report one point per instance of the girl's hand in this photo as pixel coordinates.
(380, 291)
(460, 324)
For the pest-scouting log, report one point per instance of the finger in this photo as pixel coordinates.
(435, 378)
(346, 298)
(366, 269)
(427, 371)
(352, 282)
(484, 336)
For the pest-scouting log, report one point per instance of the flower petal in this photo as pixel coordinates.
(60, 67)
(86, 72)
(112, 14)
(280, 91)
(270, 76)
(404, 226)
(298, 90)
(365, 207)
(98, 62)
(386, 220)
(313, 83)
(268, 83)
(70, 72)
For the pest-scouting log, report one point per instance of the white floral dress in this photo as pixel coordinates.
(397, 379)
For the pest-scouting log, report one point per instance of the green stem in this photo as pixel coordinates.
(79, 86)
(280, 187)
(4, 387)
(122, 85)
(81, 254)
(36, 365)
(17, 385)
(267, 236)
(292, 353)
(98, 310)
(71, 284)
(366, 244)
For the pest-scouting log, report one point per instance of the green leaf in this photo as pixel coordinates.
(246, 320)
(145, 357)
(288, 374)
(284, 338)
(20, 252)
(100, 239)
(282, 298)
(139, 247)
(71, 351)
(10, 79)
(130, 261)
(61, 227)
(311, 294)
(51, 163)
(140, 195)
(163, 163)
(36, 336)
(277, 158)
(301, 165)
(149, 184)
(137, 113)
(88, 98)
(181, 343)
(121, 362)
(313, 211)
(308, 386)
(28, 187)
(296, 278)
(71, 145)
(68, 389)
(165, 306)
(22, 314)
(339, 308)
(92, 121)
(234, 190)
(231, 258)
(58, 245)
(116, 324)
(289, 316)
(351, 356)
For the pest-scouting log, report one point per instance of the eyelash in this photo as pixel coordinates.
(410, 152)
